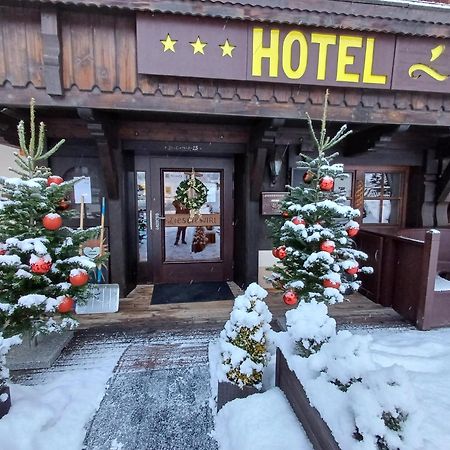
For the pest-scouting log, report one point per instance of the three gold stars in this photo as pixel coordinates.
(198, 46)
(169, 43)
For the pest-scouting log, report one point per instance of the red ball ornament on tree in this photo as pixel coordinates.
(326, 183)
(54, 179)
(290, 298)
(78, 277)
(275, 252)
(327, 246)
(352, 270)
(331, 284)
(298, 221)
(281, 252)
(308, 177)
(66, 305)
(40, 266)
(64, 204)
(285, 214)
(3, 249)
(52, 221)
(352, 231)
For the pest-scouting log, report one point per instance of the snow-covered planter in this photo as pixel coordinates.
(346, 397)
(5, 398)
(244, 346)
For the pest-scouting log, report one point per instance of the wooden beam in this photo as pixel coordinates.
(443, 185)
(51, 42)
(101, 130)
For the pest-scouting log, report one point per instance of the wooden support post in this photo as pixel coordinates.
(101, 130)
(52, 51)
(429, 269)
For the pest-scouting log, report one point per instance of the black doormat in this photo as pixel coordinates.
(190, 292)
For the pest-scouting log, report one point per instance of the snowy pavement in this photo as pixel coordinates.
(157, 392)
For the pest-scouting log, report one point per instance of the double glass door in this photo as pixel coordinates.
(177, 244)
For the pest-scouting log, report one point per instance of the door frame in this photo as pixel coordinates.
(183, 272)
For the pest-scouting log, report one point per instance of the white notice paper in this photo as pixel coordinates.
(82, 188)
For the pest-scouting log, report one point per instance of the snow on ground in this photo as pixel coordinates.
(260, 422)
(426, 357)
(441, 284)
(53, 414)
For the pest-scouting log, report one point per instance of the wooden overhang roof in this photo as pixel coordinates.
(419, 18)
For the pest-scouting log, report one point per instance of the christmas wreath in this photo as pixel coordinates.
(192, 193)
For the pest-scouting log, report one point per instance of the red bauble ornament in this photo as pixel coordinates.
(352, 231)
(285, 214)
(352, 270)
(52, 221)
(54, 179)
(64, 204)
(281, 252)
(298, 221)
(308, 176)
(66, 305)
(275, 252)
(41, 266)
(331, 284)
(326, 183)
(290, 298)
(327, 246)
(78, 277)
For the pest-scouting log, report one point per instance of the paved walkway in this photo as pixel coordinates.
(157, 398)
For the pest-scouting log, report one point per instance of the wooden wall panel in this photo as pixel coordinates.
(81, 25)
(21, 57)
(105, 54)
(126, 53)
(99, 50)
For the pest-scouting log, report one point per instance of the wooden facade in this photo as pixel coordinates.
(79, 60)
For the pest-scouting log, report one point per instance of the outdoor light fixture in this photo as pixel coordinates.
(275, 164)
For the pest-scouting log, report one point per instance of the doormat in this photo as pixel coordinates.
(190, 292)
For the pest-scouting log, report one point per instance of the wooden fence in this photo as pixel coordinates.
(405, 268)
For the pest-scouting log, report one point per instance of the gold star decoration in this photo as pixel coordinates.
(227, 48)
(198, 46)
(169, 43)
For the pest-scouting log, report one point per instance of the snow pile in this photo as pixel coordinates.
(243, 342)
(54, 414)
(262, 421)
(309, 326)
(5, 345)
(365, 406)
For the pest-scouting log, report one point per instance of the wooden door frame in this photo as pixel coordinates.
(187, 271)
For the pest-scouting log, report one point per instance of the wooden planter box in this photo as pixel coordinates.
(228, 391)
(4, 406)
(317, 430)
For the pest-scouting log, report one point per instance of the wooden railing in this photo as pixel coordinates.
(404, 276)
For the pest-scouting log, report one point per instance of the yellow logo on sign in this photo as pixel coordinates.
(436, 52)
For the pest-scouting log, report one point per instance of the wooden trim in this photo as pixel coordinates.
(51, 41)
(315, 427)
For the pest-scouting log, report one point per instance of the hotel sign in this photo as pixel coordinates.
(213, 48)
(184, 220)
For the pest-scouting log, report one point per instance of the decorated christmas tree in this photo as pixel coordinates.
(313, 237)
(199, 240)
(42, 273)
(244, 340)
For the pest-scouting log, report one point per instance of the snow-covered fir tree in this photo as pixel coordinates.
(41, 271)
(313, 237)
(244, 339)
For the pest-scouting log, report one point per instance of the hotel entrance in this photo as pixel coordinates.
(184, 219)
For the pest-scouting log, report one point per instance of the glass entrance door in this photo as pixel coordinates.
(191, 244)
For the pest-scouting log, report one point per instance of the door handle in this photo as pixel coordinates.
(150, 220)
(158, 218)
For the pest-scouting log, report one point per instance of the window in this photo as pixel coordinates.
(379, 193)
